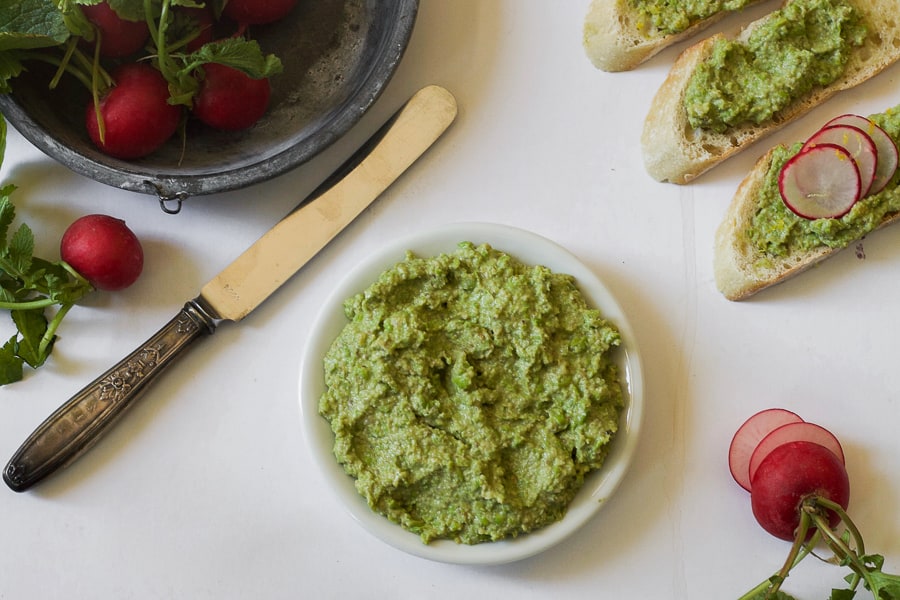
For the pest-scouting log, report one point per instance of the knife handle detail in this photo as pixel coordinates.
(75, 425)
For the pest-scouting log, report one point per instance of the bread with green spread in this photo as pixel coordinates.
(677, 150)
(619, 35)
(761, 243)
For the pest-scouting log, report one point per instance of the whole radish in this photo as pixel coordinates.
(800, 493)
(103, 250)
(229, 99)
(791, 473)
(135, 117)
(257, 12)
(117, 37)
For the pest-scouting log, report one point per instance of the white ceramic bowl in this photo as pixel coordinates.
(530, 249)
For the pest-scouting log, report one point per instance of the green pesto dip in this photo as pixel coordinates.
(776, 231)
(805, 44)
(470, 394)
(674, 16)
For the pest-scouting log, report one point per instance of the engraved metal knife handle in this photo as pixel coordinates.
(78, 423)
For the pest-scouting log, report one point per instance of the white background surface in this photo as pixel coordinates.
(206, 489)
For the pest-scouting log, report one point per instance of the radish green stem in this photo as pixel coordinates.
(802, 531)
(77, 73)
(67, 56)
(48, 336)
(28, 304)
(848, 548)
(776, 580)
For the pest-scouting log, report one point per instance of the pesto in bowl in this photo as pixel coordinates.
(458, 477)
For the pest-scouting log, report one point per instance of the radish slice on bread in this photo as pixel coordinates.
(857, 143)
(821, 181)
(886, 149)
(748, 437)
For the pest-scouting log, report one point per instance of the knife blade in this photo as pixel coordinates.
(239, 288)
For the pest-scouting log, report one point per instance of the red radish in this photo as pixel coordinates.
(888, 155)
(800, 494)
(855, 141)
(104, 251)
(257, 12)
(118, 37)
(230, 99)
(822, 181)
(136, 115)
(791, 473)
(792, 432)
(748, 436)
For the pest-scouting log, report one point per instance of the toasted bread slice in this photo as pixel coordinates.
(675, 152)
(740, 269)
(615, 39)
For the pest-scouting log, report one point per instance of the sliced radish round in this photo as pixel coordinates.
(748, 436)
(855, 141)
(820, 182)
(792, 432)
(886, 148)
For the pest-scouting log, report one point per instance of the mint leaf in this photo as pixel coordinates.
(10, 364)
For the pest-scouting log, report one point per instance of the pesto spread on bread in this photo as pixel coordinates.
(805, 44)
(470, 394)
(674, 16)
(778, 232)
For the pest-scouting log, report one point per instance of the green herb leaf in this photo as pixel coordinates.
(27, 24)
(10, 365)
(884, 586)
(32, 324)
(130, 10)
(242, 54)
(28, 286)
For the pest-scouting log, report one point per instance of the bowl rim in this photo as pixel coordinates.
(169, 186)
(530, 248)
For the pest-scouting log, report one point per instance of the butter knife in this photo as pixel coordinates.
(242, 286)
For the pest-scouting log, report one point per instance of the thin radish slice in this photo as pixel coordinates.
(820, 182)
(792, 432)
(886, 148)
(748, 436)
(855, 141)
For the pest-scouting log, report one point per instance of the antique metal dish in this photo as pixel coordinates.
(338, 56)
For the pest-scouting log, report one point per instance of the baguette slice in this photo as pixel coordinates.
(737, 265)
(675, 152)
(614, 39)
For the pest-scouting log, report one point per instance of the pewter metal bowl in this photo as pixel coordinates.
(338, 55)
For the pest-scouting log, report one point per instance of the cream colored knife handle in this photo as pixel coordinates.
(241, 286)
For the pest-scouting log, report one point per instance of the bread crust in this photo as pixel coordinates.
(738, 267)
(614, 42)
(675, 152)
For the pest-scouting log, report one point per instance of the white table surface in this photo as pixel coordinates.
(206, 489)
